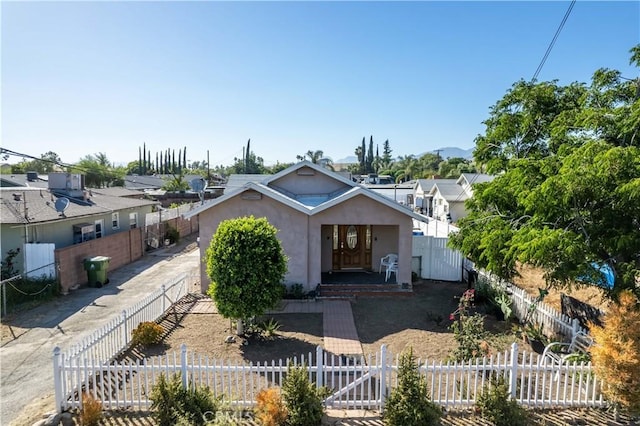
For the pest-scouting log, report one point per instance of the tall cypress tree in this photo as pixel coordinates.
(369, 162)
(139, 160)
(184, 158)
(363, 158)
(144, 158)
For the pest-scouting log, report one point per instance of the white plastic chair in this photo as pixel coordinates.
(391, 269)
(387, 260)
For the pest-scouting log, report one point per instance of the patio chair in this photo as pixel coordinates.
(391, 269)
(387, 260)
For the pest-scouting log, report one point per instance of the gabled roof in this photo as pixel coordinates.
(40, 206)
(471, 178)
(239, 180)
(449, 190)
(425, 184)
(309, 203)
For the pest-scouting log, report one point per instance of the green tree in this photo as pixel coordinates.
(98, 171)
(369, 161)
(562, 214)
(410, 403)
(301, 397)
(452, 168)
(246, 265)
(386, 159)
(176, 183)
(405, 168)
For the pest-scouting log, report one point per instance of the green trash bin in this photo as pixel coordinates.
(96, 268)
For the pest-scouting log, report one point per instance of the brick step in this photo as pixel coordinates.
(354, 290)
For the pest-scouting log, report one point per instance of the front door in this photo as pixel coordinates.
(351, 247)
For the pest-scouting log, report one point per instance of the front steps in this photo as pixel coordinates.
(351, 291)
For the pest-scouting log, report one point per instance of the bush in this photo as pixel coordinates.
(270, 409)
(172, 404)
(295, 291)
(172, 235)
(147, 333)
(496, 405)
(409, 403)
(91, 412)
(302, 400)
(469, 333)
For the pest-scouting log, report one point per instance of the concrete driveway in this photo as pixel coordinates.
(26, 366)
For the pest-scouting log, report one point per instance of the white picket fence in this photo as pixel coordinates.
(114, 337)
(554, 323)
(355, 383)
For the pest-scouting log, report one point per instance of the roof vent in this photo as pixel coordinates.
(17, 196)
(32, 176)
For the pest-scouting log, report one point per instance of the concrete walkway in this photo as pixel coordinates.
(26, 355)
(340, 334)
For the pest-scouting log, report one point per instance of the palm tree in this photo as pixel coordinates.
(406, 167)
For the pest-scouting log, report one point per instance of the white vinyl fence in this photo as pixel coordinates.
(361, 383)
(434, 260)
(554, 323)
(114, 337)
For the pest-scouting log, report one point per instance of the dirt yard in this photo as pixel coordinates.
(420, 322)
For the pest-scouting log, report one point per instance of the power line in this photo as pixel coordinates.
(553, 41)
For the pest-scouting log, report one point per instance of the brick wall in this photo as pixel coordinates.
(123, 248)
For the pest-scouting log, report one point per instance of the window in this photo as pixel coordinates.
(115, 220)
(133, 220)
(99, 225)
(410, 199)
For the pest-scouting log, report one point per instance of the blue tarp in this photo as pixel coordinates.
(606, 278)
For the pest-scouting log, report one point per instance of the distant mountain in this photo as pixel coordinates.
(453, 152)
(448, 152)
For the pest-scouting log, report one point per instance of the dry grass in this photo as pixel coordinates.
(531, 279)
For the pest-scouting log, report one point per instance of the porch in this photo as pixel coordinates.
(351, 284)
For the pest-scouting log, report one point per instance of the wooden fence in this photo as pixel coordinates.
(354, 383)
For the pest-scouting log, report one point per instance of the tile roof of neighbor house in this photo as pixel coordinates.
(449, 190)
(309, 204)
(40, 206)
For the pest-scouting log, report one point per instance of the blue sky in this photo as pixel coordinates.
(80, 78)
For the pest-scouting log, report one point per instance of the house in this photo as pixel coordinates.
(422, 196)
(64, 215)
(448, 200)
(448, 195)
(326, 223)
(402, 193)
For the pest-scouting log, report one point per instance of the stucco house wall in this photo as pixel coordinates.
(280, 216)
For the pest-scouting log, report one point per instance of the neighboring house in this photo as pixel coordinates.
(448, 195)
(467, 180)
(422, 196)
(66, 214)
(402, 193)
(326, 222)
